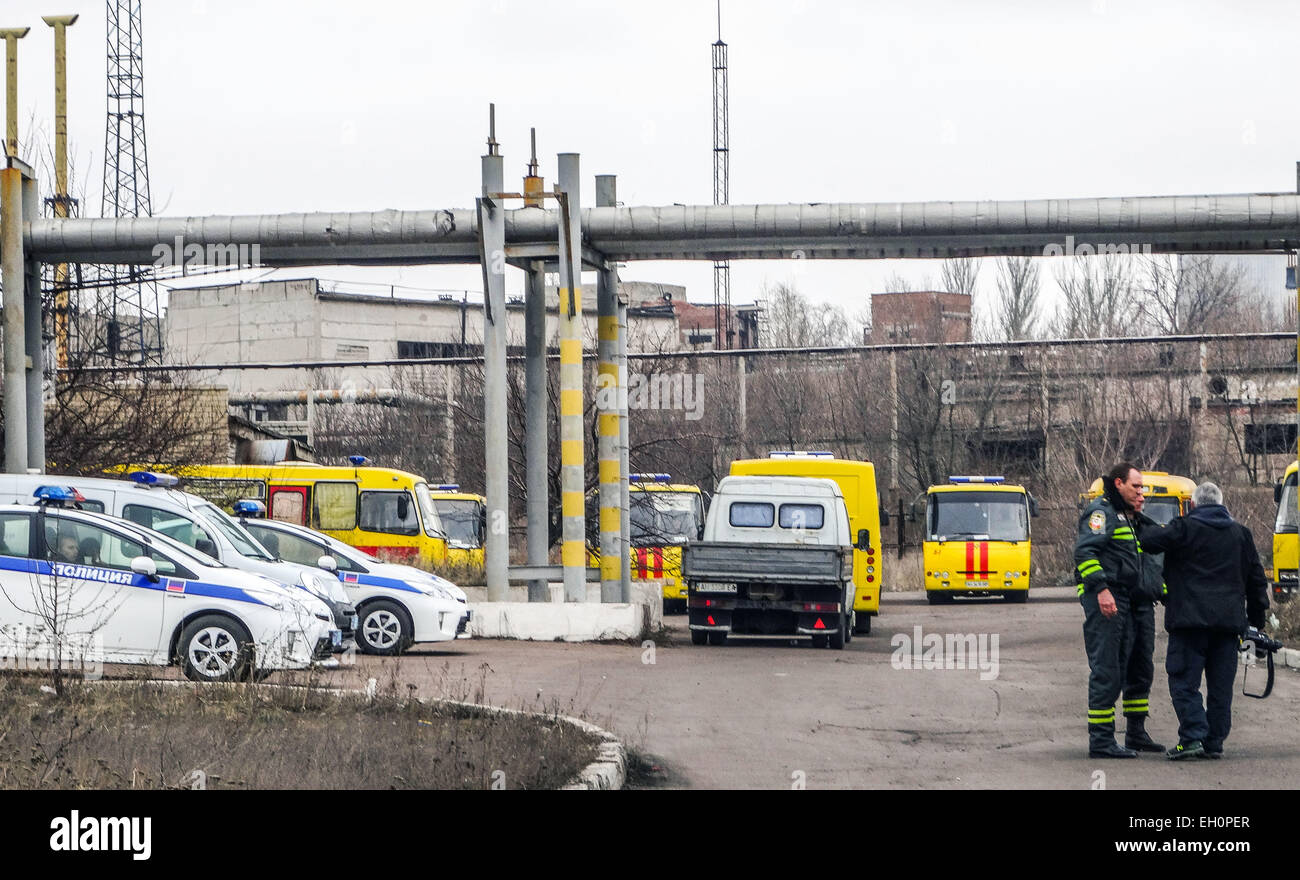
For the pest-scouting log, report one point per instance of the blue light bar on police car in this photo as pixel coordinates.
(358, 460)
(249, 507)
(649, 478)
(152, 478)
(800, 453)
(971, 479)
(57, 493)
(447, 487)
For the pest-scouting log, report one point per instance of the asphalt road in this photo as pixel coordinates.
(771, 715)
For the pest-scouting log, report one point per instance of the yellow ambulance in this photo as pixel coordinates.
(1167, 496)
(977, 539)
(1286, 542)
(464, 517)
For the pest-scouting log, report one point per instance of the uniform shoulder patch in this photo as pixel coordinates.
(1097, 522)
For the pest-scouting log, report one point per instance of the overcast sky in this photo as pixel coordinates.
(256, 107)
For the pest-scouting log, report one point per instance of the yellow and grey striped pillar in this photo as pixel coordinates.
(608, 418)
(573, 549)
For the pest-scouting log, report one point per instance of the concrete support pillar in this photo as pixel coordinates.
(492, 252)
(608, 420)
(536, 439)
(573, 552)
(35, 343)
(624, 472)
(15, 325)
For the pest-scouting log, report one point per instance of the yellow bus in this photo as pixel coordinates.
(387, 513)
(977, 539)
(1286, 542)
(857, 482)
(662, 516)
(1167, 496)
(464, 517)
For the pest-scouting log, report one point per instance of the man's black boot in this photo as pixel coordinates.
(1101, 742)
(1110, 750)
(1136, 737)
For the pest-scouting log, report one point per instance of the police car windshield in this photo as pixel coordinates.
(245, 544)
(986, 516)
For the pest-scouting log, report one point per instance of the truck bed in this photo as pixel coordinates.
(765, 563)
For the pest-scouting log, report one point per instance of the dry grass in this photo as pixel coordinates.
(138, 734)
(1288, 622)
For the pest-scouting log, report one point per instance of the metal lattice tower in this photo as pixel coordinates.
(124, 325)
(721, 186)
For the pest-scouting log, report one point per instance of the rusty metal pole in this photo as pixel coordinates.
(62, 200)
(11, 38)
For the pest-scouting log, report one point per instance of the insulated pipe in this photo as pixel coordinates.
(1260, 223)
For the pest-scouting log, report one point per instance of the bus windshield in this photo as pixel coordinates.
(1286, 513)
(460, 517)
(981, 516)
(1162, 509)
(432, 522)
(660, 518)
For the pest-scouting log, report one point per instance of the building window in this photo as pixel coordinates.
(407, 350)
(1270, 439)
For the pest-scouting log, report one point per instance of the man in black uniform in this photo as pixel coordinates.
(1216, 585)
(1111, 578)
(1140, 672)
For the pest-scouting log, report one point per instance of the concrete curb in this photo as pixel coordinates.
(1288, 657)
(607, 773)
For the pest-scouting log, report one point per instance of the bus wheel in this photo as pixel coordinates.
(699, 637)
(862, 623)
(937, 598)
(1019, 597)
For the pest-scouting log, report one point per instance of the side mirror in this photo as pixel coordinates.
(1277, 492)
(884, 517)
(328, 563)
(203, 545)
(1033, 506)
(145, 566)
(864, 539)
(403, 506)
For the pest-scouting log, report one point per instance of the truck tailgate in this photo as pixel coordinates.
(783, 563)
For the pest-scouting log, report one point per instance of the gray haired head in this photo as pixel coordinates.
(1207, 493)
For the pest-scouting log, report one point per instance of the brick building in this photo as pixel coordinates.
(919, 316)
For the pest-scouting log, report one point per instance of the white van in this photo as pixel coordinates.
(397, 605)
(149, 500)
(87, 589)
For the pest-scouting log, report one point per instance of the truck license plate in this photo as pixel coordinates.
(709, 587)
(977, 585)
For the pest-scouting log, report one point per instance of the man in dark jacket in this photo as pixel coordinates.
(1215, 585)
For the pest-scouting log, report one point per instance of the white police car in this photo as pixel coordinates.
(72, 580)
(152, 501)
(397, 605)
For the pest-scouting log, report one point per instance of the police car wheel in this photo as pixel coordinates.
(215, 648)
(384, 629)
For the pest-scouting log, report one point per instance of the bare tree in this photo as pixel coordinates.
(797, 322)
(1016, 313)
(1192, 294)
(960, 275)
(1100, 298)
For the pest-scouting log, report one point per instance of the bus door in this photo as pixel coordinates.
(288, 504)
